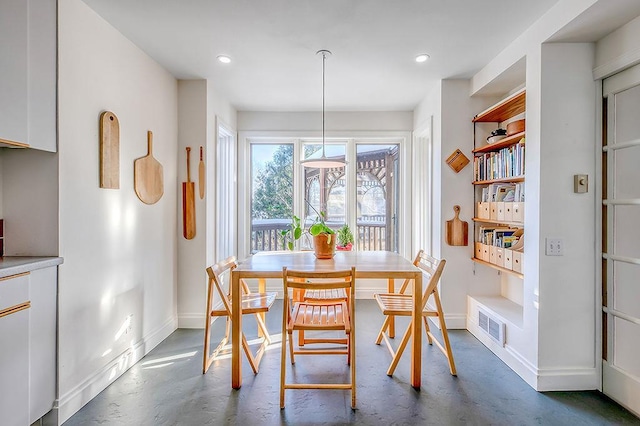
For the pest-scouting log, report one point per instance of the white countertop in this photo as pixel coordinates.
(12, 265)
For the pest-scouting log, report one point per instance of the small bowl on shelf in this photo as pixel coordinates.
(494, 139)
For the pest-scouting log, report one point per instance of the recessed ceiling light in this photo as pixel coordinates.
(422, 58)
(224, 59)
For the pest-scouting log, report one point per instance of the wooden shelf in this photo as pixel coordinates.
(511, 179)
(505, 109)
(498, 222)
(508, 141)
(499, 268)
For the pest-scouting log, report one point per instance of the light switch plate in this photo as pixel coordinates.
(554, 247)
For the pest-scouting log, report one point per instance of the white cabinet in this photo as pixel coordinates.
(28, 73)
(14, 352)
(13, 70)
(42, 336)
(42, 79)
(28, 304)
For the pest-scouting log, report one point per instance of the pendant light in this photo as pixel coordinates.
(323, 162)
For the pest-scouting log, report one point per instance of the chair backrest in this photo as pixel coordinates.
(217, 280)
(315, 280)
(432, 268)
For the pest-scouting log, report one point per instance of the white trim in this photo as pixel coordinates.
(626, 60)
(597, 261)
(191, 320)
(72, 401)
(246, 138)
(622, 388)
(620, 82)
(507, 354)
(567, 379)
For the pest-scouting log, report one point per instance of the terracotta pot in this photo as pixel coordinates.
(324, 245)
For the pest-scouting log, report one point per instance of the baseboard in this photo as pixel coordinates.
(507, 354)
(567, 379)
(69, 403)
(191, 320)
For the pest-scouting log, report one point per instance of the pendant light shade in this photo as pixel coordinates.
(323, 162)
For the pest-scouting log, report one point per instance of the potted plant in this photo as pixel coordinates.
(324, 238)
(345, 238)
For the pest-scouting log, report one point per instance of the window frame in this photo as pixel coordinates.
(351, 138)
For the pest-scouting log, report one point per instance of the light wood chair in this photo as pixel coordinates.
(252, 304)
(318, 316)
(322, 296)
(401, 304)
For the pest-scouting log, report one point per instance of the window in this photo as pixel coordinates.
(271, 195)
(365, 194)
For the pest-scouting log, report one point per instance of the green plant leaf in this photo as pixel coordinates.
(297, 233)
(290, 245)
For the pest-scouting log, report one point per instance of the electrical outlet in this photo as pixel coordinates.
(554, 247)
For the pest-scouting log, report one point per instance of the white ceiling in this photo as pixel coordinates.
(273, 44)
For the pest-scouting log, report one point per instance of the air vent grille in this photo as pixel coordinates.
(492, 326)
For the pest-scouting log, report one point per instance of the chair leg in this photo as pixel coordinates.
(445, 336)
(262, 328)
(247, 351)
(385, 324)
(293, 360)
(283, 354)
(207, 340)
(427, 330)
(399, 351)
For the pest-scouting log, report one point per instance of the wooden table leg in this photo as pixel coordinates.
(416, 338)
(262, 288)
(391, 331)
(236, 331)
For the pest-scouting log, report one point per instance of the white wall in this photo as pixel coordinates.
(199, 104)
(334, 121)
(192, 131)
(461, 274)
(567, 283)
(117, 286)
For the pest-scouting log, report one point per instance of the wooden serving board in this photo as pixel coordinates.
(201, 175)
(188, 204)
(109, 151)
(148, 178)
(457, 230)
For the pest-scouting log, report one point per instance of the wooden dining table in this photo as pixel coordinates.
(368, 264)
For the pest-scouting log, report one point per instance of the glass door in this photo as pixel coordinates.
(621, 239)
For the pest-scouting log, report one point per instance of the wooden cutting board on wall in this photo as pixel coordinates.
(457, 230)
(148, 178)
(188, 203)
(109, 151)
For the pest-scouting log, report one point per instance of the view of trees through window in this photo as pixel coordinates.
(274, 198)
(271, 194)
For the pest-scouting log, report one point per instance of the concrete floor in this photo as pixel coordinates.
(167, 388)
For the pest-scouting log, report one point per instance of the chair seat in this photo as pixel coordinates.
(325, 295)
(399, 305)
(251, 304)
(325, 316)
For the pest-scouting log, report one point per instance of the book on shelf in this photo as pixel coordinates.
(505, 163)
(497, 236)
(503, 192)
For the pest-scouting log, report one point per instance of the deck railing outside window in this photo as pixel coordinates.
(266, 233)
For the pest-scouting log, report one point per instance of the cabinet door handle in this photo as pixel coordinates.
(15, 309)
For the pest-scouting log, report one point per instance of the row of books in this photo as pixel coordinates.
(505, 163)
(499, 237)
(503, 192)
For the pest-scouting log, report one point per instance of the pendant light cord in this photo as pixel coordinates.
(324, 56)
